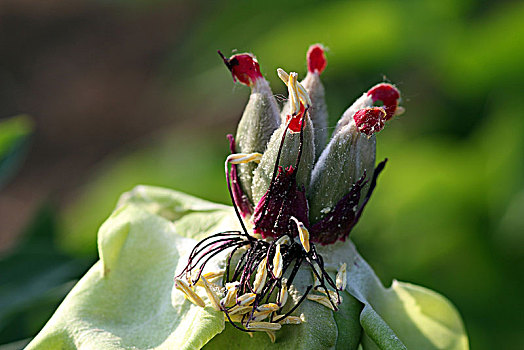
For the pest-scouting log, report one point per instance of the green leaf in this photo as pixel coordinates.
(14, 141)
(402, 316)
(128, 299)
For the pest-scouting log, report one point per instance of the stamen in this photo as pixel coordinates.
(283, 295)
(260, 278)
(239, 158)
(277, 263)
(321, 299)
(213, 297)
(341, 278)
(246, 299)
(303, 234)
(240, 310)
(264, 326)
(291, 320)
(184, 287)
(334, 296)
(260, 315)
(295, 89)
(268, 307)
(210, 276)
(230, 298)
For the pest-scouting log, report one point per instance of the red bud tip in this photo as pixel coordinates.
(296, 121)
(370, 120)
(244, 67)
(389, 95)
(316, 59)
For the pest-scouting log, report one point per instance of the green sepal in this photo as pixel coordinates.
(346, 158)
(260, 119)
(288, 157)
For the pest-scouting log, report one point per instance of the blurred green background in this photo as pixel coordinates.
(122, 93)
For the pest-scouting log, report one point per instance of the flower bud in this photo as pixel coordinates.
(349, 155)
(261, 116)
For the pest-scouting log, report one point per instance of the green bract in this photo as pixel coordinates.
(128, 300)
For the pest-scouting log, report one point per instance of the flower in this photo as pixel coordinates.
(289, 191)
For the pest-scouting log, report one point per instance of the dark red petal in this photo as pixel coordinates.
(244, 67)
(340, 221)
(283, 199)
(241, 199)
(296, 121)
(389, 95)
(370, 120)
(316, 59)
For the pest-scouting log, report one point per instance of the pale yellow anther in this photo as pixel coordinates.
(283, 75)
(341, 279)
(268, 307)
(291, 320)
(211, 294)
(260, 278)
(297, 93)
(321, 299)
(282, 295)
(260, 315)
(239, 158)
(184, 287)
(264, 326)
(277, 263)
(332, 295)
(234, 318)
(293, 93)
(231, 295)
(303, 233)
(246, 299)
(210, 276)
(240, 310)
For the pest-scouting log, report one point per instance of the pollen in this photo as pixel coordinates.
(184, 287)
(303, 234)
